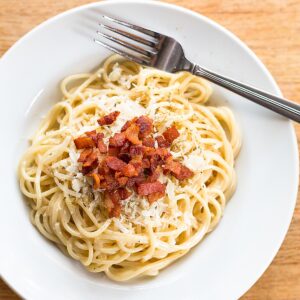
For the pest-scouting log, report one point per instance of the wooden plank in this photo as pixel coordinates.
(270, 28)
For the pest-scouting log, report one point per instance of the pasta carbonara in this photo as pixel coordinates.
(144, 236)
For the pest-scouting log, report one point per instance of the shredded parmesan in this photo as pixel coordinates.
(194, 162)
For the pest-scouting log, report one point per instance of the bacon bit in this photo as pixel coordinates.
(173, 166)
(145, 124)
(92, 134)
(108, 119)
(155, 161)
(96, 180)
(103, 168)
(136, 151)
(163, 153)
(149, 142)
(114, 196)
(146, 163)
(113, 200)
(101, 146)
(171, 134)
(116, 211)
(129, 171)
(113, 151)
(154, 197)
(84, 154)
(118, 140)
(128, 124)
(162, 142)
(178, 170)
(84, 142)
(90, 160)
(148, 151)
(125, 157)
(184, 173)
(145, 189)
(122, 180)
(124, 152)
(110, 183)
(90, 163)
(124, 193)
(112, 204)
(115, 163)
(132, 134)
(154, 175)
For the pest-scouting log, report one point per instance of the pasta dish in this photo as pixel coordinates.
(131, 169)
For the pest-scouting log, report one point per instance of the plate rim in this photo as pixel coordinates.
(19, 290)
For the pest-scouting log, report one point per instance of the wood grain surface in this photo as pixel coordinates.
(269, 27)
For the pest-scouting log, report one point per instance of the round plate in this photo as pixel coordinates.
(256, 219)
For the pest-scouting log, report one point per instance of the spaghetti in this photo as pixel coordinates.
(145, 237)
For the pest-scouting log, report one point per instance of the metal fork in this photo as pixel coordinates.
(159, 51)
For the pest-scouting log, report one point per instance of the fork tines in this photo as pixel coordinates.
(143, 48)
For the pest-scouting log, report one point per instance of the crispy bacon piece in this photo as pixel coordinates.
(116, 211)
(118, 140)
(184, 173)
(177, 169)
(108, 119)
(98, 140)
(155, 161)
(115, 163)
(114, 196)
(96, 180)
(122, 180)
(154, 175)
(145, 163)
(103, 168)
(111, 200)
(136, 151)
(149, 142)
(137, 163)
(128, 124)
(124, 193)
(92, 134)
(162, 142)
(90, 163)
(113, 151)
(101, 146)
(145, 189)
(173, 166)
(145, 124)
(109, 182)
(148, 151)
(84, 154)
(154, 197)
(83, 142)
(163, 153)
(132, 134)
(171, 134)
(129, 171)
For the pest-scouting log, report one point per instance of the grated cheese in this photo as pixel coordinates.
(116, 73)
(194, 162)
(77, 184)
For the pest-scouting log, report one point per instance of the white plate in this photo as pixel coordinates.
(256, 219)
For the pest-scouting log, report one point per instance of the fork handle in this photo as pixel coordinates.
(279, 105)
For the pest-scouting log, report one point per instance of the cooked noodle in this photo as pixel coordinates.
(145, 238)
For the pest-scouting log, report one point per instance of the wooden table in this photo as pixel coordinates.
(269, 27)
